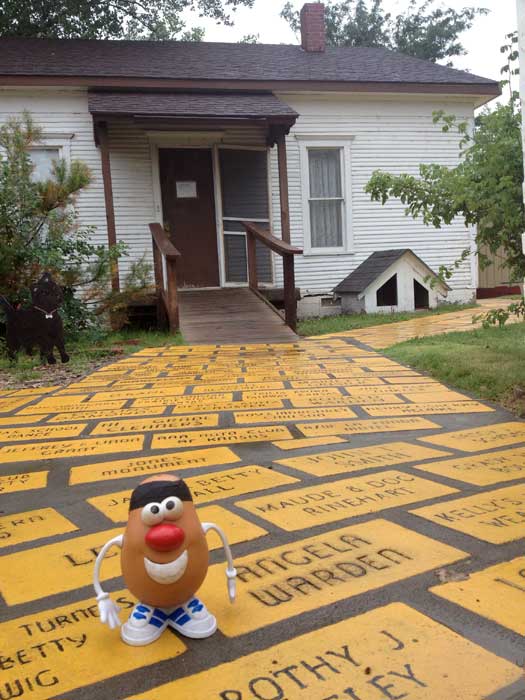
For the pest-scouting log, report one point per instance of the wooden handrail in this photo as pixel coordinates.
(276, 244)
(167, 304)
(253, 234)
(163, 243)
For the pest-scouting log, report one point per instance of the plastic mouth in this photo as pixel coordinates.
(167, 573)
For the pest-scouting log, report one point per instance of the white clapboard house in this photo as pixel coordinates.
(250, 160)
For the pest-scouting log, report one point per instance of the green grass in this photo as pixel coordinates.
(351, 322)
(86, 354)
(489, 363)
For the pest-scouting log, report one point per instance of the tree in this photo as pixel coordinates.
(40, 232)
(109, 19)
(421, 30)
(485, 189)
(250, 39)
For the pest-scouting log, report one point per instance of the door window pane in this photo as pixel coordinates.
(244, 183)
(264, 263)
(42, 159)
(235, 255)
(236, 259)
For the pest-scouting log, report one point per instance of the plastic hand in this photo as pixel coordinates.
(108, 611)
(232, 584)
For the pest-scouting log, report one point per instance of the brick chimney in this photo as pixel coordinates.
(313, 30)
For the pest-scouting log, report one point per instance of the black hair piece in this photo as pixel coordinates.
(157, 491)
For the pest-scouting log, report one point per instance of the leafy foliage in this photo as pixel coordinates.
(500, 316)
(135, 286)
(485, 189)
(250, 39)
(109, 19)
(34, 216)
(422, 30)
(511, 67)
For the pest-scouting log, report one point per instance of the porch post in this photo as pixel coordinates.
(290, 301)
(102, 133)
(283, 186)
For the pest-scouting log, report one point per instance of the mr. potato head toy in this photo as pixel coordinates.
(164, 562)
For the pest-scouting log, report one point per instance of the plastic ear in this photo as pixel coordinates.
(231, 571)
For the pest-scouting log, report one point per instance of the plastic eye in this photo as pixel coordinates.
(172, 508)
(152, 514)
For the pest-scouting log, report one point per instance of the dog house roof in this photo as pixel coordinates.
(369, 270)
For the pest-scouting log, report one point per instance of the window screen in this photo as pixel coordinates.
(244, 183)
(237, 261)
(244, 187)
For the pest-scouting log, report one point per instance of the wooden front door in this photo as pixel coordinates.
(186, 180)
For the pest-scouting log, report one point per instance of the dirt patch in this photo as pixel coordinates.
(449, 575)
(58, 375)
(515, 401)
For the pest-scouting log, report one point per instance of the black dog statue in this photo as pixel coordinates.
(38, 325)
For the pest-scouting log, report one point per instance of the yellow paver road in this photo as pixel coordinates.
(496, 593)
(342, 480)
(381, 654)
(300, 509)
(205, 488)
(278, 583)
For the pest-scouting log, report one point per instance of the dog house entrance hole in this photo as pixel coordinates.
(387, 294)
(420, 296)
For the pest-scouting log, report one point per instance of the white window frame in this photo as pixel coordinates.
(342, 143)
(55, 141)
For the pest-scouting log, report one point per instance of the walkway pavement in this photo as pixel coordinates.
(379, 337)
(376, 518)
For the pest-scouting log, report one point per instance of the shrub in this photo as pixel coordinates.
(40, 231)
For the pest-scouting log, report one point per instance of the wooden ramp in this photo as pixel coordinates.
(234, 316)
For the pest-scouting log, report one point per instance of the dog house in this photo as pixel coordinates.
(391, 280)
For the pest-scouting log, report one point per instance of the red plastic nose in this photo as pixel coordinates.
(165, 537)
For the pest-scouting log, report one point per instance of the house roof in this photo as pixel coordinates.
(220, 62)
(178, 104)
(369, 270)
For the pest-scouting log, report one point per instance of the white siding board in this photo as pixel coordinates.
(58, 111)
(393, 133)
(131, 169)
(132, 179)
(396, 135)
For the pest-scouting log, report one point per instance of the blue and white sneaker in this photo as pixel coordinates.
(145, 625)
(193, 620)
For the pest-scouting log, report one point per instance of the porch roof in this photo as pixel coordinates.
(187, 104)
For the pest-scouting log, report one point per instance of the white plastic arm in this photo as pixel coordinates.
(231, 571)
(108, 610)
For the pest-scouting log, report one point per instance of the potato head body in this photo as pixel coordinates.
(164, 562)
